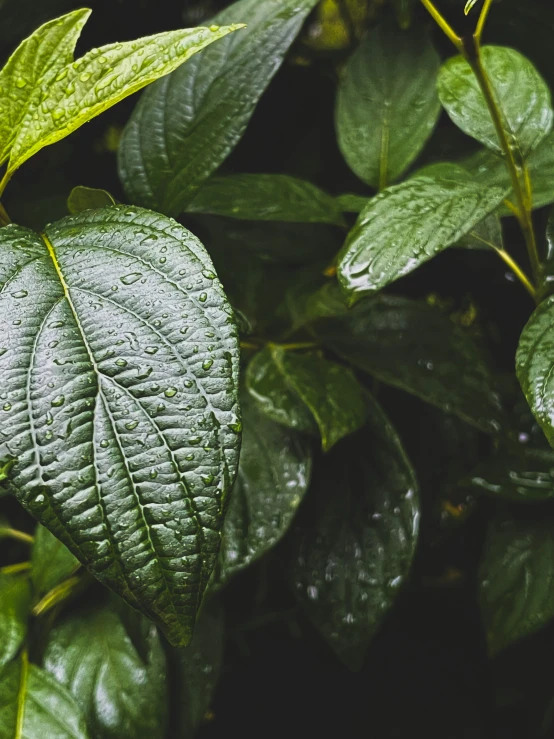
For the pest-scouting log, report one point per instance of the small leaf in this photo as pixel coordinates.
(274, 474)
(33, 704)
(121, 400)
(36, 61)
(469, 5)
(296, 390)
(101, 78)
(266, 197)
(408, 224)
(86, 198)
(120, 693)
(387, 104)
(521, 93)
(52, 561)
(15, 604)
(516, 579)
(352, 558)
(185, 126)
(416, 348)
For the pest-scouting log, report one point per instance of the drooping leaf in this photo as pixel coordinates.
(35, 62)
(516, 579)
(535, 365)
(119, 400)
(120, 693)
(185, 126)
(86, 198)
(15, 603)
(415, 347)
(300, 389)
(274, 474)
(521, 93)
(99, 79)
(354, 555)
(52, 561)
(408, 224)
(33, 704)
(198, 669)
(266, 197)
(387, 104)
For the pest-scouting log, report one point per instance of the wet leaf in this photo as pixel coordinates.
(52, 561)
(15, 604)
(119, 400)
(86, 198)
(184, 127)
(274, 473)
(387, 104)
(356, 551)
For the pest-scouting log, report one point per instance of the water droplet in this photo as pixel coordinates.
(207, 364)
(20, 82)
(7, 406)
(214, 28)
(188, 383)
(195, 440)
(104, 443)
(153, 474)
(58, 400)
(20, 294)
(130, 278)
(170, 392)
(203, 297)
(130, 425)
(151, 349)
(56, 324)
(209, 275)
(121, 362)
(49, 419)
(236, 427)
(208, 479)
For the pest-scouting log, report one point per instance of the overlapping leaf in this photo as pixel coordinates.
(15, 602)
(51, 560)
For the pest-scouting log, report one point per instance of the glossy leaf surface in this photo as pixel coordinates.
(119, 400)
(15, 603)
(52, 561)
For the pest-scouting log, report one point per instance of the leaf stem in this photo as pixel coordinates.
(9, 533)
(21, 693)
(4, 181)
(14, 569)
(444, 25)
(300, 345)
(482, 20)
(57, 595)
(516, 269)
(5, 220)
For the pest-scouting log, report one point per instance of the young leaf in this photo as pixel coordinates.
(516, 579)
(33, 704)
(15, 604)
(416, 348)
(35, 62)
(185, 126)
(119, 400)
(274, 474)
(352, 559)
(535, 365)
(120, 693)
(387, 104)
(101, 78)
(52, 561)
(296, 390)
(266, 197)
(408, 224)
(521, 93)
(86, 198)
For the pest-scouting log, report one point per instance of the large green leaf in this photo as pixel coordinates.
(186, 125)
(516, 579)
(101, 78)
(267, 197)
(52, 561)
(33, 704)
(354, 556)
(416, 348)
(535, 365)
(408, 224)
(121, 693)
(15, 603)
(35, 62)
(118, 369)
(274, 474)
(387, 103)
(300, 389)
(521, 93)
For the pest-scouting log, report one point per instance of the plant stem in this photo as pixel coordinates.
(9, 533)
(444, 25)
(482, 20)
(301, 345)
(516, 269)
(57, 595)
(4, 217)
(3, 182)
(14, 569)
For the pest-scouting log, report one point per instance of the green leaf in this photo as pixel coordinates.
(354, 555)
(101, 78)
(185, 126)
(15, 603)
(198, 669)
(274, 474)
(119, 400)
(516, 579)
(486, 235)
(408, 224)
(120, 693)
(352, 203)
(387, 104)
(266, 197)
(298, 389)
(33, 704)
(52, 561)
(521, 93)
(412, 346)
(546, 276)
(35, 62)
(85, 198)
(535, 365)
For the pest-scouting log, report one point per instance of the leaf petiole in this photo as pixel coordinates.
(444, 25)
